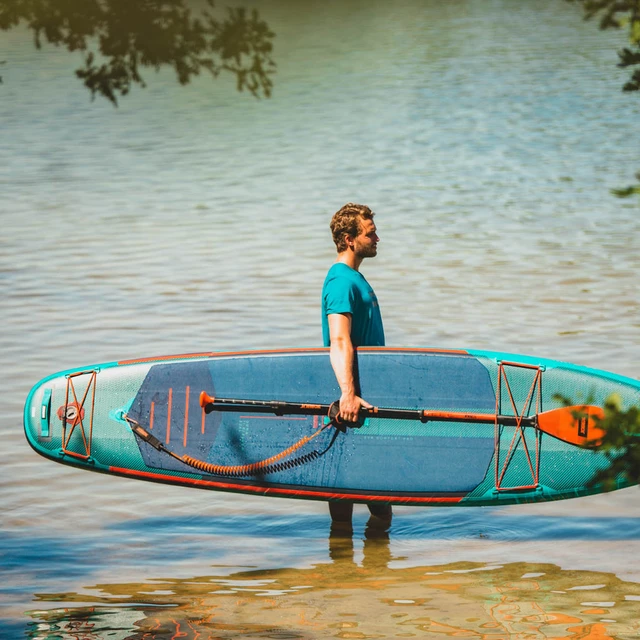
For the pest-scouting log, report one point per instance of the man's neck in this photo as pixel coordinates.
(349, 258)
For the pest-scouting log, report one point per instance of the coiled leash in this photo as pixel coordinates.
(269, 465)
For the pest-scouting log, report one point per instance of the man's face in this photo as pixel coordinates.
(365, 244)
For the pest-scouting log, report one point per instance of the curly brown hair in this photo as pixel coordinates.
(346, 222)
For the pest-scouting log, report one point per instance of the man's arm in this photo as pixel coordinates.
(341, 354)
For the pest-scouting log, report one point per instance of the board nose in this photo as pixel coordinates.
(37, 415)
(58, 412)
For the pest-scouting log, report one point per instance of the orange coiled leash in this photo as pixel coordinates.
(269, 465)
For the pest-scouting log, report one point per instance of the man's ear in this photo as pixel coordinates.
(349, 240)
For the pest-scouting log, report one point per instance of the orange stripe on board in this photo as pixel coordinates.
(186, 418)
(461, 352)
(204, 415)
(219, 354)
(159, 358)
(169, 402)
(214, 354)
(286, 492)
(151, 412)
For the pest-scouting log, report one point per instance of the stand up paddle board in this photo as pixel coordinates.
(447, 428)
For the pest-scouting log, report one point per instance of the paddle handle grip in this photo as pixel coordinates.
(211, 403)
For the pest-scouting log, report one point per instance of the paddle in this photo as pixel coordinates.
(577, 425)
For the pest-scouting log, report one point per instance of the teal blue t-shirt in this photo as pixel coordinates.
(345, 290)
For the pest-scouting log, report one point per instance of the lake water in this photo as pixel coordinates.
(486, 135)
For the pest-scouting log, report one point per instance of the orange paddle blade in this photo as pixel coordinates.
(576, 425)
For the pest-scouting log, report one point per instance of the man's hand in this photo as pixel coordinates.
(350, 406)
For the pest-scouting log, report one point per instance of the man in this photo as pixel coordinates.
(350, 319)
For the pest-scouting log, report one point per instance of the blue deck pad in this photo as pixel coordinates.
(384, 455)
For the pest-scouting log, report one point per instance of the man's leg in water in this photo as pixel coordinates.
(341, 514)
(381, 515)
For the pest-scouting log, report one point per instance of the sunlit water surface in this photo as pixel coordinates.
(486, 135)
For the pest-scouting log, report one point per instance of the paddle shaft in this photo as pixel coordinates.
(280, 408)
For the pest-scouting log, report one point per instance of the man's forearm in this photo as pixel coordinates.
(341, 356)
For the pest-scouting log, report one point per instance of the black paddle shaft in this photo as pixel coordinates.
(281, 408)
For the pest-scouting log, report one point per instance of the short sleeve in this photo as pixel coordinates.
(339, 296)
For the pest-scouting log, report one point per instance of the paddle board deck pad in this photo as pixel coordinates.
(152, 419)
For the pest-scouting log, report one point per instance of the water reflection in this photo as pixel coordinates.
(345, 599)
(119, 39)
